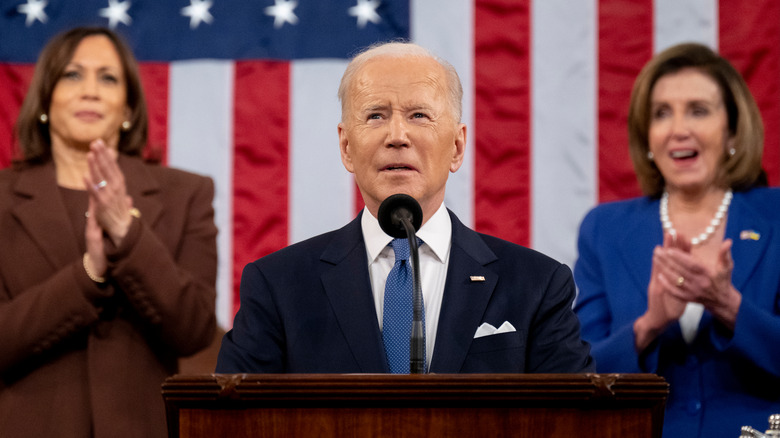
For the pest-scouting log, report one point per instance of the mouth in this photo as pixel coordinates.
(397, 167)
(683, 154)
(88, 115)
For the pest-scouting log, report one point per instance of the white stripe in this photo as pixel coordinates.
(564, 146)
(446, 28)
(201, 140)
(321, 189)
(678, 21)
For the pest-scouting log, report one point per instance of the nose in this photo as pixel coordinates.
(680, 126)
(89, 87)
(397, 132)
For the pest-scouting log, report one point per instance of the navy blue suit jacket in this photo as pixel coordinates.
(722, 380)
(309, 308)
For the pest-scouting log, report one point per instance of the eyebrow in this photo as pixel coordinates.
(101, 68)
(412, 107)
(705, 101)
(373, 108)
(420, 106)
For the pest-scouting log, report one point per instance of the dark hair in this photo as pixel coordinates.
(740, 171)
(33, 135)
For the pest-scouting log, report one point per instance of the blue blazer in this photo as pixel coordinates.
(309, 308)
(723, 380)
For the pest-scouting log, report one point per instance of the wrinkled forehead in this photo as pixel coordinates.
(409, 78)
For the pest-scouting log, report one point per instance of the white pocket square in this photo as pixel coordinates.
(486, 329)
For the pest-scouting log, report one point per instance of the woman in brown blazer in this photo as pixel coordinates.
(107, 263)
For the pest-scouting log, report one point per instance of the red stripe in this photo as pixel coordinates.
(154, 77)
(14, 81)
(261, 162)
(625, 45)
(750, 39)
(502, 119)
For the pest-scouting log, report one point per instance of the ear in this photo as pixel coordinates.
(459, 148)
(731, 142)
(346, 158)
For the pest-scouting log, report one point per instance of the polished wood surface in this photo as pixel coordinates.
(457, 405)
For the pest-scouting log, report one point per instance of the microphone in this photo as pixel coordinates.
(401, 216)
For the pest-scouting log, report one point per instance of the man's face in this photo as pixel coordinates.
(399, 134)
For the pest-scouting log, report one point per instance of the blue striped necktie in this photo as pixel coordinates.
(397, 318)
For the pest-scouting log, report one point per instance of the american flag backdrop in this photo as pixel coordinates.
(245, 91)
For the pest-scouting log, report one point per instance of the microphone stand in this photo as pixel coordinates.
(400, 215)
(416, 346)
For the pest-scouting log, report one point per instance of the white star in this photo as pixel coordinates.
(365, 11)
(198, 11)
(282, 11)
(34, 11)
(116, 12)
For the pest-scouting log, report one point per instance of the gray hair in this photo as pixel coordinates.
(400, 50)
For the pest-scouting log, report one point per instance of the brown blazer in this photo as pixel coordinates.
(78, 359)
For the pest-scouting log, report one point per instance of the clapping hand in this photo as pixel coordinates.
(109, 205)
(688, 279)
(107, 192)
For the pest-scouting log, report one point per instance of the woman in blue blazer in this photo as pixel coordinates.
(685, 282)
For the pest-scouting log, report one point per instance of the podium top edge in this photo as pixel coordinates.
(603, 387)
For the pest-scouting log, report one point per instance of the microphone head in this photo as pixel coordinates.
(394, 210)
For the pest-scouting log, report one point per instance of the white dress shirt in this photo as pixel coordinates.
(689, 321)
(436, 235)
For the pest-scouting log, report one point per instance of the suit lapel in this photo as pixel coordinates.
(36, 188)
(751, 235)
(636, 242)
(143, 187)
(639, 237)
(348, 287)
(464, 301)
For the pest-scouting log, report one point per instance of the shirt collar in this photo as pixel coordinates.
(436, 234)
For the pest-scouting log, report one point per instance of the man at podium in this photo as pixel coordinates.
(341, 302)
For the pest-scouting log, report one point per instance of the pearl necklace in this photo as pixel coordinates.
(714, 223)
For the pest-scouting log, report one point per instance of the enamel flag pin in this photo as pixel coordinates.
(749, 235)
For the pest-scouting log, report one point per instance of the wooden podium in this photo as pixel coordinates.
(431, 405)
